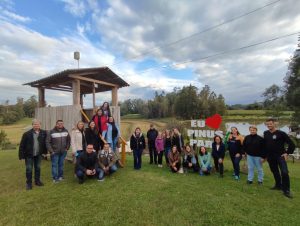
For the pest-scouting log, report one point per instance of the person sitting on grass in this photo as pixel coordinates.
(87, 164)
(107, 162)
(189, 159)
(174, 160)
(218, 154)
(204, 161)
(32, 146)
(159, 148)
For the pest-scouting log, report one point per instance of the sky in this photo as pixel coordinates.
(154, 45)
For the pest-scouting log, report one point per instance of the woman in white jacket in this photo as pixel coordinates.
(78, 142)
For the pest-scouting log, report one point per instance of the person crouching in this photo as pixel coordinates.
(87, 164)
(174, 160)
(107, 162)
(189, 159)
(204, 161)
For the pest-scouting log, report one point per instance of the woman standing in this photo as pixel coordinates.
(204, 161)
(101, 122)
(159, 146)
(218, 154)
(235, 142)
(78, 142)
(106, 110)
(167, 145)
(113, 133)
(137, 145)
(92, 136)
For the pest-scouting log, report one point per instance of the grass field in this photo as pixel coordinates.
(152, 196)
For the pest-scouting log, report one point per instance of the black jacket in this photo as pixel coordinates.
(92, 137)
(220, 153)
(178, 141)
(137, 143)
(26, 144)
(235, 147)
(151, 136)
(253, 145)
(274, 143)
(87, 161)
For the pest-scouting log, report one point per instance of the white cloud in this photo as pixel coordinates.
(16, 17)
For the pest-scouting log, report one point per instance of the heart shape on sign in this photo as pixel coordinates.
(214, 121)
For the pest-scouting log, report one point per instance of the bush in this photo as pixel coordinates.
(3, 139)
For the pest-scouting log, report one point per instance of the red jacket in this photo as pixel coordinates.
(102, 123)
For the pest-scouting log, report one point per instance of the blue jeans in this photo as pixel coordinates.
(113, 145)
(57, 160)
(255, 162)
(208, 169)
(29, 163)
(137, 158)
(236, 164)
(167, 150)
(80, 174)
(112, 169)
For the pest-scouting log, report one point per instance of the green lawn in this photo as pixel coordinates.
(152, 196)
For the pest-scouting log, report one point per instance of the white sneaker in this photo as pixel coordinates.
(60, 178)
(55, 181)
(180, 170)
(101, 180)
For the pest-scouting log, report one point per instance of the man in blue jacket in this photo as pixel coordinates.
(32, 146)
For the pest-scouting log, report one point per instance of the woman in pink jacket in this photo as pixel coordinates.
(159, 145)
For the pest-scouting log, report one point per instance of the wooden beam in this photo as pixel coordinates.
(76, 91)
(41, 94)
(114, 96)
(93, 80)
(94, 98)
(60, 89)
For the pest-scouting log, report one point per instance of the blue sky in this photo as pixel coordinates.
(38, 38)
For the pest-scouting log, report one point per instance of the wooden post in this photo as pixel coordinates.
(94, 98)
(76, 91)
(114, 96)
(41, 94)
(81, 100)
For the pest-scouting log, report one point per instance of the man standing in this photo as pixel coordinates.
(87, 164)
(253, 146)
(32, 146)
(58, 143)
(277, 156)
(107, 162)
(151, 136)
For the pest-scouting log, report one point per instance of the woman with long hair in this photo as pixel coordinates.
(106, 110)
(78, 141)
(92, 136)
(137, 145)
(218, 154)
(235, 142)
(101, 123)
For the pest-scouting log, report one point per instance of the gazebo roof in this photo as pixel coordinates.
(104, 78)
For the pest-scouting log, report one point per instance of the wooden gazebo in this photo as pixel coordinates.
(80, 82)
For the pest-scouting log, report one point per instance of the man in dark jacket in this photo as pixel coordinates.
(32, 146)
(58, 143)
(151, 136)
(277, 155)
(87, 164)
(253, 146)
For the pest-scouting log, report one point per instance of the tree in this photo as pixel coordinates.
(29, 106)
(292, 84)
(3, 139)
(274, 100)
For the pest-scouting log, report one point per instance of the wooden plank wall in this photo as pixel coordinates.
(49, 115)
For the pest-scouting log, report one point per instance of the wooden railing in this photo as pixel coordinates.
(123, 142)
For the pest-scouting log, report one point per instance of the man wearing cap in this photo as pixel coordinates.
(253, 146)
(151, 135)
(32, 146)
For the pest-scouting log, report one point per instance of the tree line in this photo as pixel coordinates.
(187, 102)
(12, 113)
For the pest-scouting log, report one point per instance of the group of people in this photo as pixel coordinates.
(181, 158)
(94, 148)
(95, 151)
